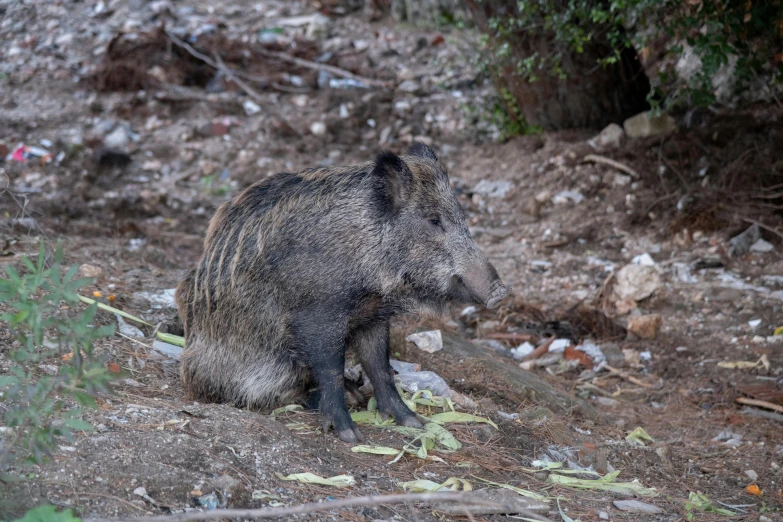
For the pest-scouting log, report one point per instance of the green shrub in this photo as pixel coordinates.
(43, 313)
(744, 36)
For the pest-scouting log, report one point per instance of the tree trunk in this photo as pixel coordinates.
(590, 96)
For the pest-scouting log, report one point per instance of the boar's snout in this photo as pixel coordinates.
(480, 284)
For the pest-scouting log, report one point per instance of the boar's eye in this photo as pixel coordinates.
(435, 222)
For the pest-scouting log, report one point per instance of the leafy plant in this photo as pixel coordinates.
(40, 309)
(744, 38)
(48, 514)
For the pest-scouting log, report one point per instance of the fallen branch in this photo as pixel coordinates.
(603, 160)
(628, 377)
(313, 507)
(539, 351)
(337, 71)
(516, 337)
(760, 404)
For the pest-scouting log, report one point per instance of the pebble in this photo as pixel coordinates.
(645, 326)
(752, 475)
(90, 271)
(318, 128)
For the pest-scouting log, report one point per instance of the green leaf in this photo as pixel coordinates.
(453, 416)
(48, 514)
(84, 399)
(340, 481)
(375, 450)
(78, 424)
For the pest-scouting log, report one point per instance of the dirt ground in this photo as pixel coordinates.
(146, 142)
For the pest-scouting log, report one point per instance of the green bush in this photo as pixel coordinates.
(744, 36)
(43, 313)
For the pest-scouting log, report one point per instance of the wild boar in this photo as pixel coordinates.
(299, 268)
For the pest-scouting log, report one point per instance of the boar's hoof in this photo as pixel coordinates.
(351, 435)
(411, 421)
(346, 431)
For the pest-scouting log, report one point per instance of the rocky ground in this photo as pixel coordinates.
(629, 270)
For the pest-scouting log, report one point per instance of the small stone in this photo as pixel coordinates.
(492, 189)
(429, 342)
(609, 138)
(752, 475)
(117, 139)
(742, 243)
(169, 350)
(49, 369)
(410, 86)
(90, 271)
(404, 367)
(251, 107)
(606, 401)
(645, 326)
(318, 128)
(140, 491)
(643, 259)
(603, 515)
(636, 282)
(523, 350)
(128, 329)
(645, 124)
(559, 345)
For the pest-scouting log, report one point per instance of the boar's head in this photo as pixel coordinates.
(425, 240)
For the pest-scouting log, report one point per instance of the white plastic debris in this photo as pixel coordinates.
(415, 381)
(429, 342)
(593, 351)
(160, 299)
(761, 246)
(468, 310)
(754, 323)
(643, 259)
(128, 329)
(567, 195)
(522, 350)
(559, 345)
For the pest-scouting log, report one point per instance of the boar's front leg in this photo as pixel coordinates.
(372, 345)
(319, 336)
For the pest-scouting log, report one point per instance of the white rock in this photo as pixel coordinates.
(636, 282)
(609, 138)
(251, 107)
(318, 128)
(754, 323)
(752, 475)
(117, 139)
(430, 341)
(141, 492)
(645, 124)
(492, 189)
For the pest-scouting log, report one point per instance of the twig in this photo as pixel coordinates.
(628, 377)
(760, 404)
(337, 71)
(112, 497)
(762, 225)
(516, 337)
(539, 351)
(603, 160)
(313, 507)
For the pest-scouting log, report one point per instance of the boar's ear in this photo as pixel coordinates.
(423, 151)
(393, 182)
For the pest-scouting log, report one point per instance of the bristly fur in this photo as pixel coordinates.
(300, 266)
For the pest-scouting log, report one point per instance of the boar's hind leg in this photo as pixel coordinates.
(372, 345)
(322, 343)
